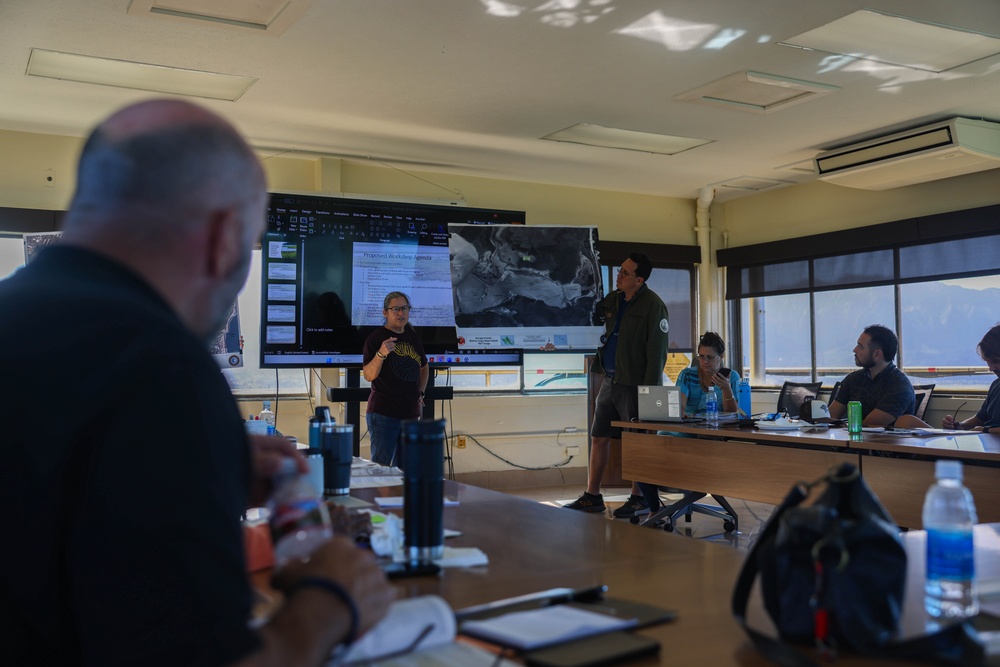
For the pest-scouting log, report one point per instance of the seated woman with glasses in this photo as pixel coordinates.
(395, 364)
(694, 382)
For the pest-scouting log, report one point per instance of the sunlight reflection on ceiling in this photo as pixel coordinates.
(894, 77)
(568, 13)
(675, 34)
(504, 10)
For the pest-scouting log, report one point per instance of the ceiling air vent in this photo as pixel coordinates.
(940, 150)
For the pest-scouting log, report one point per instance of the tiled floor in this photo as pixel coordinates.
(752, 515)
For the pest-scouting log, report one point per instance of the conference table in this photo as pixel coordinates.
(533, 547)
(762, 465)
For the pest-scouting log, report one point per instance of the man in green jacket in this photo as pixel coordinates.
(634, 353)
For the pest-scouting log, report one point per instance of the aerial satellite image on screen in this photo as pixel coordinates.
(524, 276)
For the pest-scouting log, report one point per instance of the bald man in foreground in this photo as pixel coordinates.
(123, 541)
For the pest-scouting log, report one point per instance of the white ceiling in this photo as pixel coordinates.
(470, 86)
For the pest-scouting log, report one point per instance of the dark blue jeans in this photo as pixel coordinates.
(384, 432)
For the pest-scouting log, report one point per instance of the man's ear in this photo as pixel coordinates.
(225, 236)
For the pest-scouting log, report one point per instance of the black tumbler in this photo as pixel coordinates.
(337, 447)
(423, 489)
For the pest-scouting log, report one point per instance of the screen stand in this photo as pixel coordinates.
(353, 395)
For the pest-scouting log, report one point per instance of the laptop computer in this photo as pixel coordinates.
(660, 404)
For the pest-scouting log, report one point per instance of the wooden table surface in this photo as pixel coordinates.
(762, 465)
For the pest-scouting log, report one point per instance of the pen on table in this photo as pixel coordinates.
(543, 598)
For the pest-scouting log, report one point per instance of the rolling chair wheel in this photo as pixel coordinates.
(668, 526)
(634, 520)
(729, 526)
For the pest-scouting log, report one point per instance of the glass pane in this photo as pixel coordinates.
(11, 255)
(979, 254)
(674, 287)
(481, 378)
(251, 379)
(786, 338)
(841, 316)
(553, 371)
(942, 323)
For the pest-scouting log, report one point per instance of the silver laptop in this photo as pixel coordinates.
(660, 404)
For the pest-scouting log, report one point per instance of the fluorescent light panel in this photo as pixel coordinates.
(272, 17)
(756, 92)
(136, 76)
(630, 140)
(898, 40)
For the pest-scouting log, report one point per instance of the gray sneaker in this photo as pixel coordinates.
(588, 503)
(634, 506)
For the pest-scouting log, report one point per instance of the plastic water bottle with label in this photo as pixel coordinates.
(949, 515)
(712, 406)
(267, 417)
(298, 517)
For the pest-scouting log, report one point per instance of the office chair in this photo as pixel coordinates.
(793, 393)
(923, 393)
(833, 392)
(667, 515)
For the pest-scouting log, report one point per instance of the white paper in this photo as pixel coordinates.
(532, 629)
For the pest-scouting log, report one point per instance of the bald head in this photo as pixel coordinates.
(163, 160)
(173, 191)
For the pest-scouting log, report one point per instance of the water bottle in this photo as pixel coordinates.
(298, 517)
(267, 417)
(743, 397)
(712, 406)
(949, 515)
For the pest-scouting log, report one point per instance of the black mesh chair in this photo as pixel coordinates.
(923, 393)
(794, 393)
(833, 392)
(666, 516)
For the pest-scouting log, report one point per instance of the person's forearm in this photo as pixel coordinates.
(371, 370)
(303, 632)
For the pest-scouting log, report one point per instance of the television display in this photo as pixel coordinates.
(328, 263)
(526, 287)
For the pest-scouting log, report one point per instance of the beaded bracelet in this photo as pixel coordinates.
(339, 592)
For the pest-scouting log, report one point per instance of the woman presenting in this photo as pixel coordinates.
(395, 364)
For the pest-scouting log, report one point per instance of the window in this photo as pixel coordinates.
(935, 281)
(11, 255)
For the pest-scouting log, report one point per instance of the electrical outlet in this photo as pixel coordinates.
(460, 442)
(572, 450)
(569, 429)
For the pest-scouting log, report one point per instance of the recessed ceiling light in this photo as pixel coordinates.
(136, 76)
(756, 92)
(898, 40)
(272, 17)
(612, 137)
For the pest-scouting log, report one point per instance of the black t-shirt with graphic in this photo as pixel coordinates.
(396, 390)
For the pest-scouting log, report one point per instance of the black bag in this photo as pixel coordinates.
(833, 574)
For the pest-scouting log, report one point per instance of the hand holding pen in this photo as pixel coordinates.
(951, 421)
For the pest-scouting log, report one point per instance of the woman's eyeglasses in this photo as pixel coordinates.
(707, 357)
(399, 309)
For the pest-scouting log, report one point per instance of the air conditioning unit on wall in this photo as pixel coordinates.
(940, 150)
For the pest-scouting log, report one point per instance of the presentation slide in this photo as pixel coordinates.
(421, 272)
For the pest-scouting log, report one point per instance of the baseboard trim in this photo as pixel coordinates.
(500, 480)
